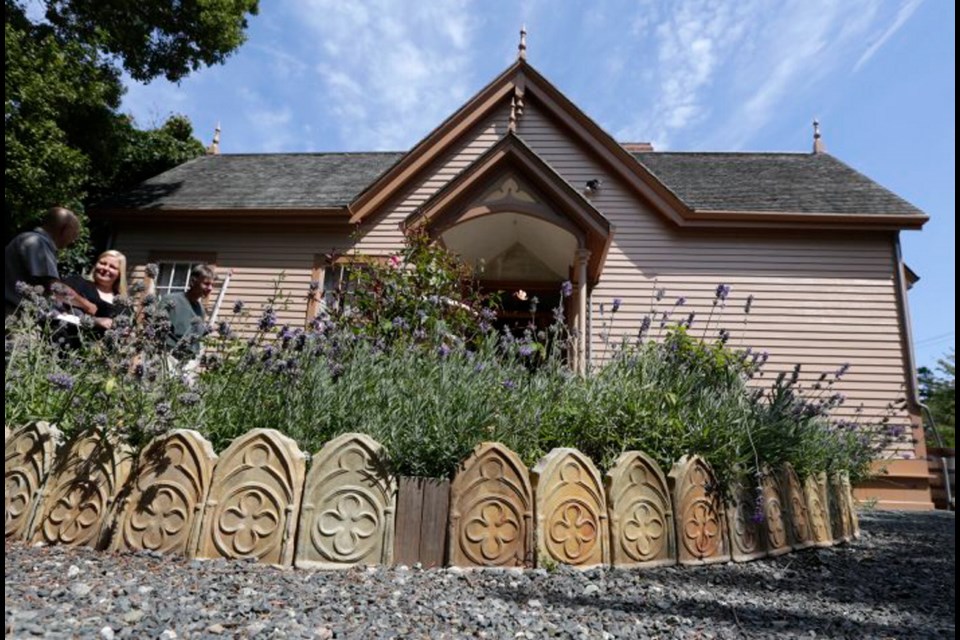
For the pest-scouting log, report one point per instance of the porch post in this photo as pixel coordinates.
(582, 257)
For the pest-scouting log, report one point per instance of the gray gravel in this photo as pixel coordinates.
(896, 582)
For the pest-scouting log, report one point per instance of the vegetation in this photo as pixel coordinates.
(64, 140)
(429, 377)
(938, 392)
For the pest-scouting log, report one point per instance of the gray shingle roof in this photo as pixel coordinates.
(258, 181)
(772, 182)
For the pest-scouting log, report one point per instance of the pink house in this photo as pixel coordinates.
(521, 181)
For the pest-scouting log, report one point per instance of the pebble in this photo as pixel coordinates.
(897, 581)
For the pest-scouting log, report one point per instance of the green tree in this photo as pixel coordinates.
(65, 141)
(938, 391)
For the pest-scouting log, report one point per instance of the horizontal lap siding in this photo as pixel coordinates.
(819, 300)
(383, 234)
(258, 257)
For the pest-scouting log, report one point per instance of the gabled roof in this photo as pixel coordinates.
(511, 157)
(519, 82)
(258, 181)
(772, 182)
(776, 190)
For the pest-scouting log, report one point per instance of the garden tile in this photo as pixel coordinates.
(349, 504)
(641, 515)
(491, 516)
(168, 491)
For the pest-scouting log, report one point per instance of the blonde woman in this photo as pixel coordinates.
(107, 281)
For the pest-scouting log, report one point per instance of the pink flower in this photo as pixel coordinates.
(395, 262)
(520, 295)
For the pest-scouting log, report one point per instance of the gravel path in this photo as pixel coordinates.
(898, 581)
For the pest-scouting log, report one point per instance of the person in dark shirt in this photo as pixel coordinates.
(31, 258)
(106, 282)
(186, 312)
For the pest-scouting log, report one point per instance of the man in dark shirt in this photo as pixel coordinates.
(31, 257)
(186, 313)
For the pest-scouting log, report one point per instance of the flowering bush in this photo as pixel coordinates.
(411, 358)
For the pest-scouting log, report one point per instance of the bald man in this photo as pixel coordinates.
(31, 257)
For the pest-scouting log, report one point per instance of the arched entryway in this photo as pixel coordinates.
(523, 227)
(522, 256)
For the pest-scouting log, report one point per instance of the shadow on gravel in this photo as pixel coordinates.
(897, 581)
(748, 618)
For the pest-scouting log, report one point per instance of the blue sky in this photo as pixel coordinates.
(688, 75)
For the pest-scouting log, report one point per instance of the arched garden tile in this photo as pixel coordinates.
(839, 510)
(774, 515)
(491, 513)
(816, 494)
(699, 513)
(641, 514)
(799, 520)
(80, 493)
(349, 504)
(29, 454)
(853, 524)
(254, 500)
(571, 510)
(167, 493)
(745, 523)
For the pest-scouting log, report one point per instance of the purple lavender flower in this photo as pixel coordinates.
(313, 287)
(723, 290)
(526, 350)
(400, 324)
(644, 327)
(100, 419)
(749, 305)
(62, 381)
(488, 314)
(443, 351)
(681, 301)
(566, 289)
(268, 320)
(659, 293)
(616, 305)
(509, 384)
(224, 329)
(758, 515)
(842, 371)
(419, 334)
(238, 307)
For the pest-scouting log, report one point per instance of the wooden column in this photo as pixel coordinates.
(582, 257)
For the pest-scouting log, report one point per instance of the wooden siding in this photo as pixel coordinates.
(261, 259)
(821, 300)
(382, 234)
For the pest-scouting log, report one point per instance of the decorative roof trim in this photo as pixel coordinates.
(523, 80)
(512, 155)
(810, 220)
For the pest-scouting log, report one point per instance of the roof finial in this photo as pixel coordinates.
(522, 48)
(818, 146)
(214, 148)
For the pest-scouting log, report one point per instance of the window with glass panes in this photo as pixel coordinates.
(173, 277)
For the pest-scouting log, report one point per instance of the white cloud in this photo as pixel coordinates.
(753, 55)
(902, 16)
(389, 71)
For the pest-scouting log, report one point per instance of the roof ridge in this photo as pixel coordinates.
(310, 153)
(722, 153)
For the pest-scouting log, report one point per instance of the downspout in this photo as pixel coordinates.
(913, 387)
